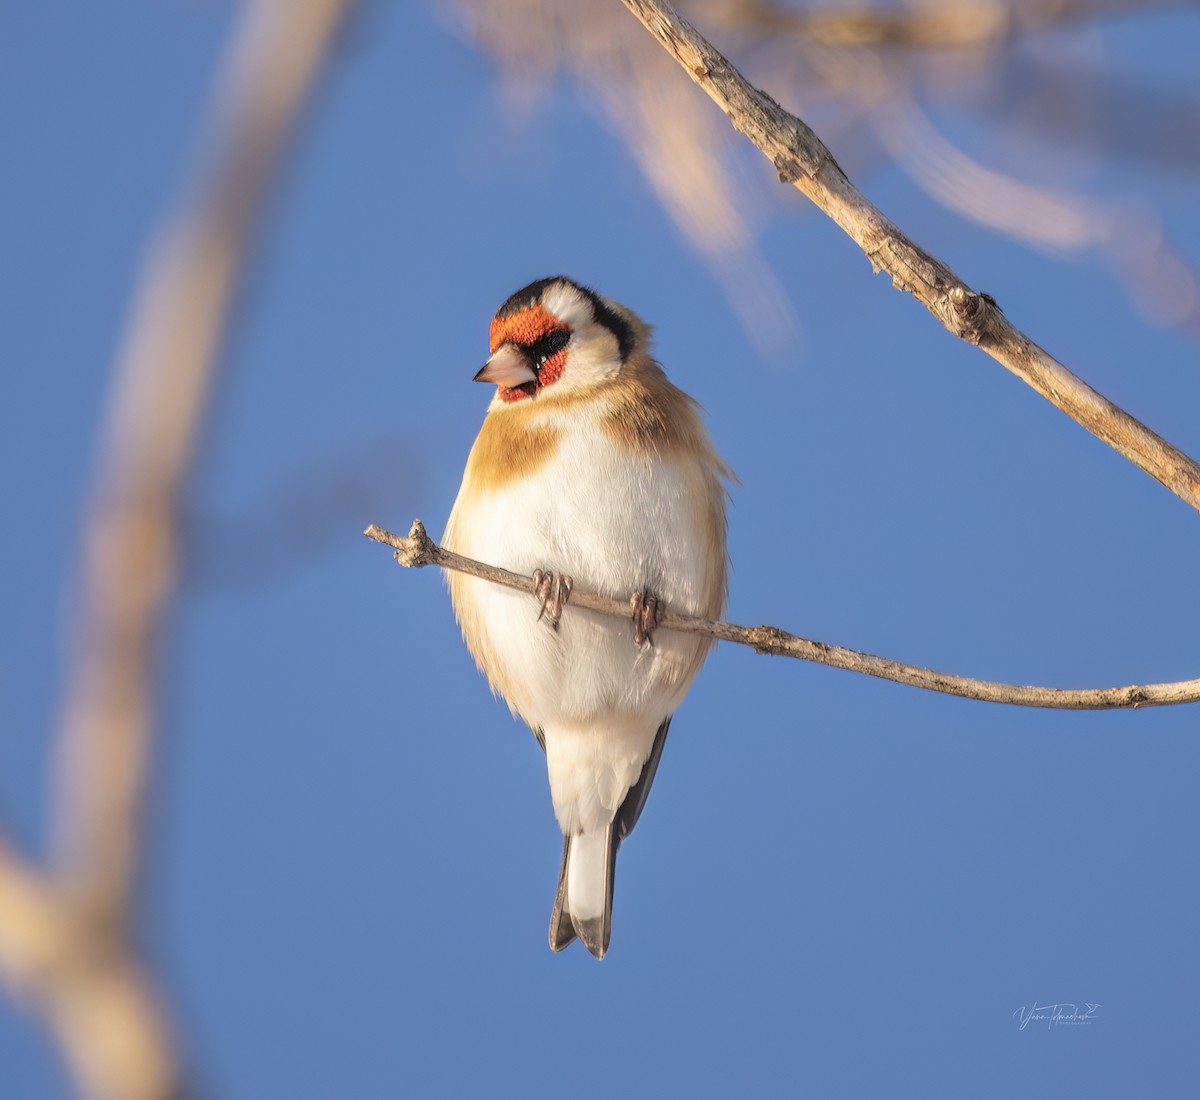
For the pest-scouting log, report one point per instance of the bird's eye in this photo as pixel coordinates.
(549, 346)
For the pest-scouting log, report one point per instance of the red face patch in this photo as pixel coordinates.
(526, 328)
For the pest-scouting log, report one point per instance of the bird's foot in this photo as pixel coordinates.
(553, 590)
(644, 606)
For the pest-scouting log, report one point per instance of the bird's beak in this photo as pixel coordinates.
(509, 367)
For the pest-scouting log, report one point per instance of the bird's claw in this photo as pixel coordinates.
(644, 606)
(553, 589)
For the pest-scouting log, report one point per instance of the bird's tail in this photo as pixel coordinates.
(583, 903)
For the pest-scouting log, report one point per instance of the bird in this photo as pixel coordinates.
(593, 470)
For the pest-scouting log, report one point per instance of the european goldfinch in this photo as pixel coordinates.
(590, 469)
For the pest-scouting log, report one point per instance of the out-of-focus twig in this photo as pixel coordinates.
(850, 65)
(418, 549)
(681, 149)
(1129, 235)
(803, 160)
(65, 936)
(925, 24)
(108, 1022)
(295, 519)
(1040, 215)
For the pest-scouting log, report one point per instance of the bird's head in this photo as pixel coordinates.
(557, 334)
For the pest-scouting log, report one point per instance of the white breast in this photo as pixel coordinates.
(617, 523)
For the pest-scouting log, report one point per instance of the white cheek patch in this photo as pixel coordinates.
(593, 356)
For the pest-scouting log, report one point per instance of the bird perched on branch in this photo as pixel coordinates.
(592, 469)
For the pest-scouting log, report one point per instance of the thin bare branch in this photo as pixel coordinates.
(418, 549)
(65, 935)
(1161, 284)
(803, 160)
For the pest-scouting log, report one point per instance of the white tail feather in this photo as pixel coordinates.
(587, 875)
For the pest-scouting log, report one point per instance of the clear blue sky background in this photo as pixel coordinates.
(841, 887)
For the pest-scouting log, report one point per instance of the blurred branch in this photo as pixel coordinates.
(804, 161)
(295, 520)
(928, 23)
(1102, 111)
(418, 549)
(1129, 235)
(1040, 215)
(95, 996)
(65, 936)
(688, 157)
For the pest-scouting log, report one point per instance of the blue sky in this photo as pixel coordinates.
(840, 887)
